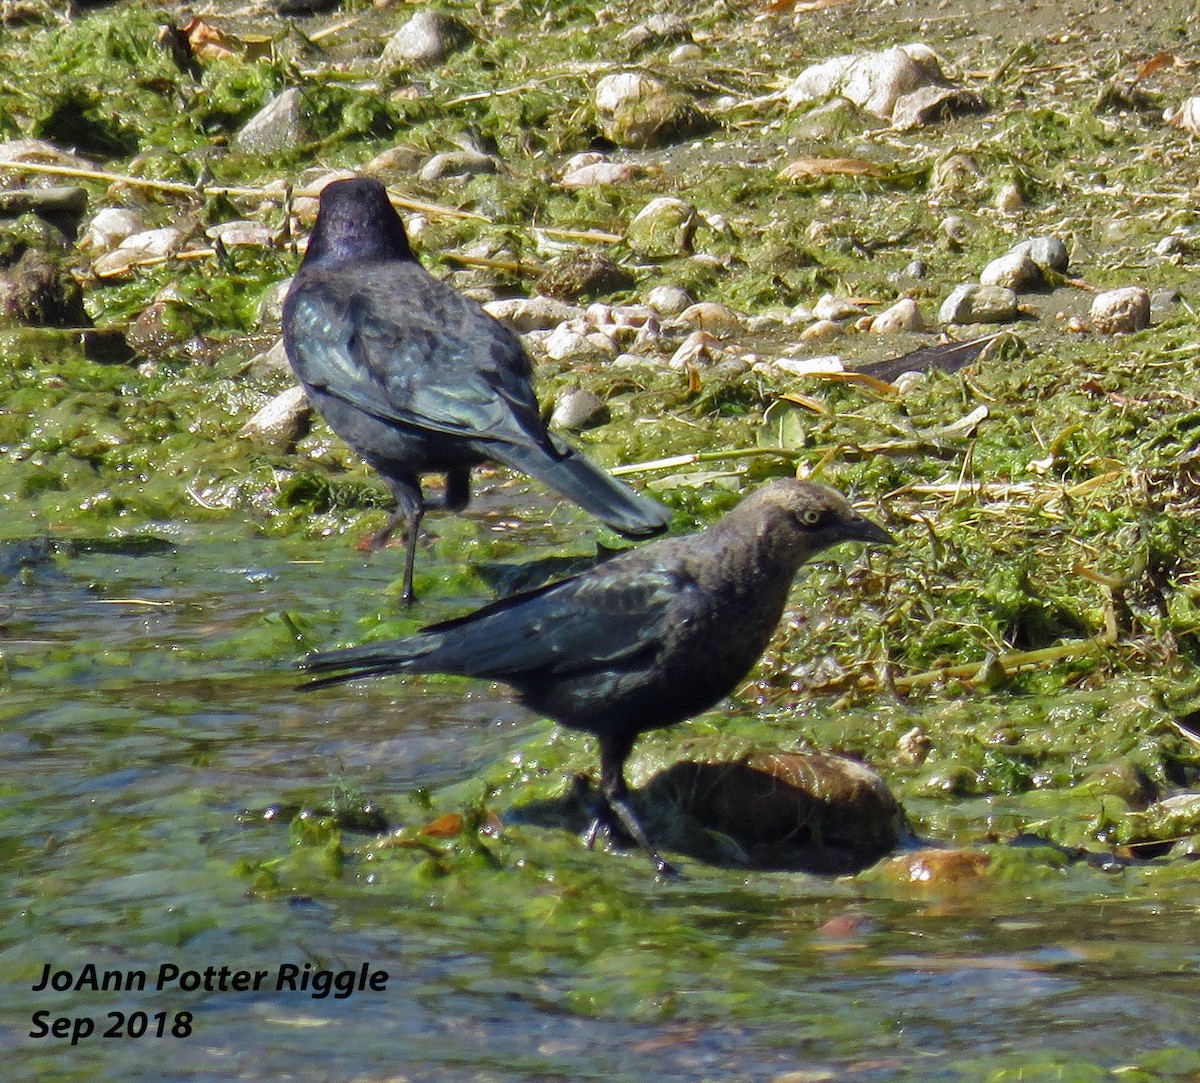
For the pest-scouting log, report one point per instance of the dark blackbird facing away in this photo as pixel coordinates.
(646, 639)
(418, 379)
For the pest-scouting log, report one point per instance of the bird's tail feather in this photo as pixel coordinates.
(598, 493)
(370, 660)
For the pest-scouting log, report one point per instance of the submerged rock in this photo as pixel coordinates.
(809, 810)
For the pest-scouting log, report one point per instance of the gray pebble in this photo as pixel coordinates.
(277, 126)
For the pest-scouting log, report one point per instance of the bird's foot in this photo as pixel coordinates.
(614, 818)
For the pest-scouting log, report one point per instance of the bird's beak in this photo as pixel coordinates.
(863, 530)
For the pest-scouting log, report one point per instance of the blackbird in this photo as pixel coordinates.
(418, 379)
(646, 639)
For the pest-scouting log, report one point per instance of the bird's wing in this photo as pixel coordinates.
(597, 619)
(403, 347)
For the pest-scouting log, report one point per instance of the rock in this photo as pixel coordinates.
(930, 104)
(1015, 271)
(272, 360)
(956, 173)
(954, 228)
(698, 350)
(831, 120)
(660, 27)
(158, 328)
(822, 329)
(1120, 311)
(664, 227)
(537, 313)
(277, 126)
(878, 82)
(108, 228)
(687, 53)
(136, 248)
(1174, 817)
(282, 421)
(937, 867)
(64, 205)
(804, 366)
(30, 232)
(242, 233)
(1009, 198)
(904, 315)
(716, 319)
(625, 323)
(669, 300)
(1169, 247)
(39, 152)
(426, 39)
(814, 810)
(1049, 253)
(829, 307)
(577, 409)
(457, 163)
(584, 273)
(1186, 116)
(1164, 300)
(38, 291)
(599, 172)
(399, 161)
(636, 110)
(574, 342)
(914, 747)
(971, 303)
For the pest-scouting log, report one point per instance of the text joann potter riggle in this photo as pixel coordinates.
(283, 978)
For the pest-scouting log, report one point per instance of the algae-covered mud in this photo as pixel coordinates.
(208, 873)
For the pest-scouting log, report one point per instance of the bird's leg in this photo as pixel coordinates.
(613, 811)
(410, 509)
(458, 489)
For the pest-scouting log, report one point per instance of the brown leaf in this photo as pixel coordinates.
(447, 826)
(800, 168)
(1155, 63)
(802, 6)
(206, 41)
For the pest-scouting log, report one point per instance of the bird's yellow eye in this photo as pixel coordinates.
(810, 517)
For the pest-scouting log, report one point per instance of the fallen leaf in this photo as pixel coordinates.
(800, 168)
(447, 826)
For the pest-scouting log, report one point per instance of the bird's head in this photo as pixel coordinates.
(813, 517)
(356, 222)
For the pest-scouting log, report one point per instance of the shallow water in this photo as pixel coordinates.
(149, 702)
